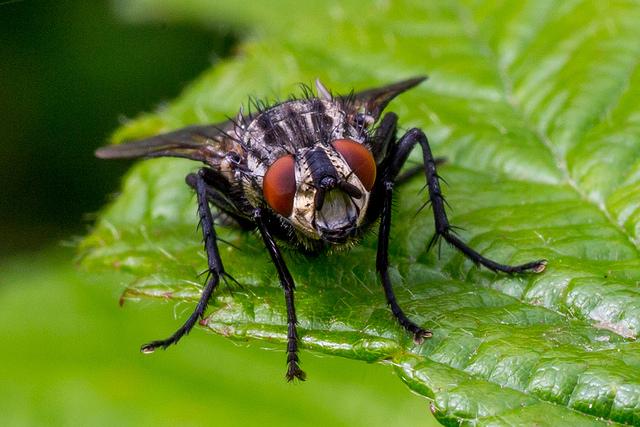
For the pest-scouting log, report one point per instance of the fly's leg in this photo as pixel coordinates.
(382, 265)
(217, 190)
(216, 269)
(398, 157)
(409, 173)
(383, 139)
(286, 281)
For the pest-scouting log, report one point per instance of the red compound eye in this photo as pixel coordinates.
(279, 185)
(359, 159)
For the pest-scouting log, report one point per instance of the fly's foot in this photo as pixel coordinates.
(420, 335)
(530, 267)
(152, 346)
(148, 348)
(538, 266)
(294, 372)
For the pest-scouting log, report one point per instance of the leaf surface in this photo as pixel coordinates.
(533, 103)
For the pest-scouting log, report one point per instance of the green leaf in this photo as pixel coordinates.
(74, 361)
(533, 103)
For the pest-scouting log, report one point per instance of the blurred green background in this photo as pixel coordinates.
(70, 72)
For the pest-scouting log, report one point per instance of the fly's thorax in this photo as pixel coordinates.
(297, 124)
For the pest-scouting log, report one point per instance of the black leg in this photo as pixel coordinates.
(214, 262)
(382, 265)
(293, 369)
(216, 190)
(398, 157)
(409, 173)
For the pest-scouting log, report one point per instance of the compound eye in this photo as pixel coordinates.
(359, 159)
(279, 185)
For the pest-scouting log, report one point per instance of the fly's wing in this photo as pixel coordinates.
(374, 101)
(208, 144)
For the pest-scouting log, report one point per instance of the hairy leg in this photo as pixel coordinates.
(382, 265)
(398, 156)
(214, 262)
(288, 286)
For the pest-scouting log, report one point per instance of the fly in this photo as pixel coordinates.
(315, 172)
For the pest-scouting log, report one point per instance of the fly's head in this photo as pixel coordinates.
(331, 192)
(314, 166)
(322, 191)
